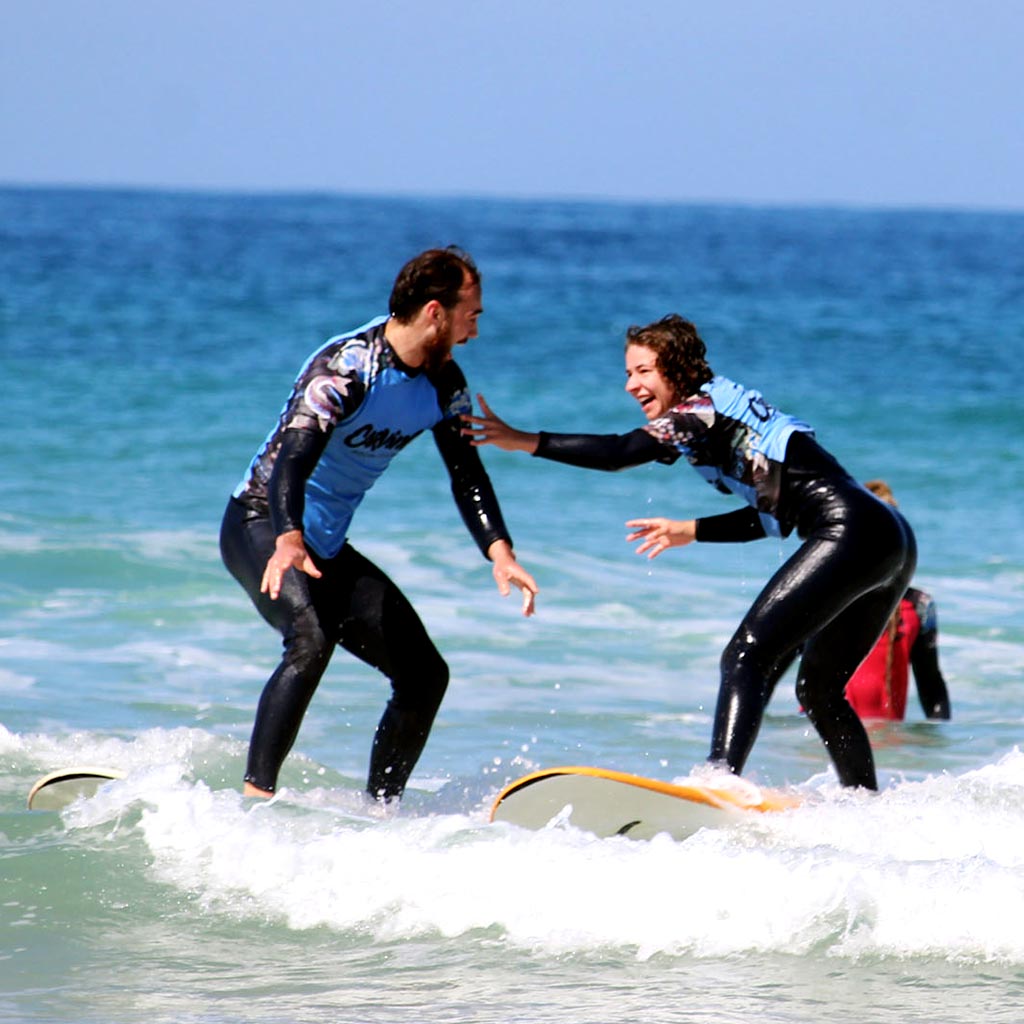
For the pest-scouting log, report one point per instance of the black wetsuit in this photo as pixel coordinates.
(832, 597)
(353, 407)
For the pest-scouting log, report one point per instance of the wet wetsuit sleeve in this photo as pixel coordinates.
(300, 451)
(604, 451)
(924, 659)
(471, 486)
(731, 527)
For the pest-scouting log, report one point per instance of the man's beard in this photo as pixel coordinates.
(440, 351)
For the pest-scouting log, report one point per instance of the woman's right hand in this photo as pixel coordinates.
(492, 429)
(659, 534)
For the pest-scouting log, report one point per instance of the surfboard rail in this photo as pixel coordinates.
(613, 803)
(740, 794)
(59, 788)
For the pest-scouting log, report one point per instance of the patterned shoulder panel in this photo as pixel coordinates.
(330, 387)
(333, 383)
(690, 430)
(684, 423)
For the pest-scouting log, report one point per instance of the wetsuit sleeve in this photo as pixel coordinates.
(471, 486)
(604, 451)
(299, 453)
(924, 659)
(740, 526)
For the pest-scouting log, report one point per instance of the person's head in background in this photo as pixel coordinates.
(880, 489)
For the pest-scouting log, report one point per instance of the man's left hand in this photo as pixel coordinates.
(507, 571)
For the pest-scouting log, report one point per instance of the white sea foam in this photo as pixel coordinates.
(166, 897)
(932, 868)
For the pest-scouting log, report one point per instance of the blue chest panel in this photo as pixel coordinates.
(396, 409)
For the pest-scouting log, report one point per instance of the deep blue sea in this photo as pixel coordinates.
(147, 341)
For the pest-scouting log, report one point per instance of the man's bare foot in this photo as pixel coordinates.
(248, 789)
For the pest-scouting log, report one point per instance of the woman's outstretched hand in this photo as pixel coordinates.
(492, 429)
(659, 534)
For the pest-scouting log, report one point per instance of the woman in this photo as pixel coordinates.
(832, 597)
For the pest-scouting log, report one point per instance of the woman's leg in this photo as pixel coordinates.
(860, 547)
(832, 656)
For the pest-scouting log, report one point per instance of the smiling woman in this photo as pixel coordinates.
(833, 596)
(663, 361)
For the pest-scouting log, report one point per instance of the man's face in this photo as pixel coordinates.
(458, 324)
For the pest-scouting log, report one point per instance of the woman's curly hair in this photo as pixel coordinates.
(681, 354)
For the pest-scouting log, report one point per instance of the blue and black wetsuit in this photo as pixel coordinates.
(832, 597)
(353, 407)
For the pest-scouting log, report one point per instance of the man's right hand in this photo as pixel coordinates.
(289, 553)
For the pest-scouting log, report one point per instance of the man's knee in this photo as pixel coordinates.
(434, 682)
(307, 647)
(421, 688)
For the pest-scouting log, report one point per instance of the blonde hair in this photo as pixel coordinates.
(880, 489)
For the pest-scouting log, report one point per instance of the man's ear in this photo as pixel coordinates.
(433, 313)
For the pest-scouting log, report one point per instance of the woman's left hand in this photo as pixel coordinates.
(492, 429)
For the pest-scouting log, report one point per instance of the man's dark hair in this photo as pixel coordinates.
(681, 354)
(435, 274)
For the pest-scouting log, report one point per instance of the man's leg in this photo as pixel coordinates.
(246, 544)
(382, 628)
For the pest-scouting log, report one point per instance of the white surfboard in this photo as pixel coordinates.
(58, 789)
(610, 803)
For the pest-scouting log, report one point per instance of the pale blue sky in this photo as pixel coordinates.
(866, 102)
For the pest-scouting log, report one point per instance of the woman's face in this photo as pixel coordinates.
(646, 384)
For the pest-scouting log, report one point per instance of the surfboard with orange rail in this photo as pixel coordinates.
(613, 803)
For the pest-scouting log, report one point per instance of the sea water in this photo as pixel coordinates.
(147, 341)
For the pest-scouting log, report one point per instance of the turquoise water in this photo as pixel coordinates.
(146, 343)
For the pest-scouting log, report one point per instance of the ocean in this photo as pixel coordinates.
(147, 341)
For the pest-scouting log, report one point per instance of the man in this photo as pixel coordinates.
(358, 401)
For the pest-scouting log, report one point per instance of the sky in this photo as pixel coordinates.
(905, 103)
